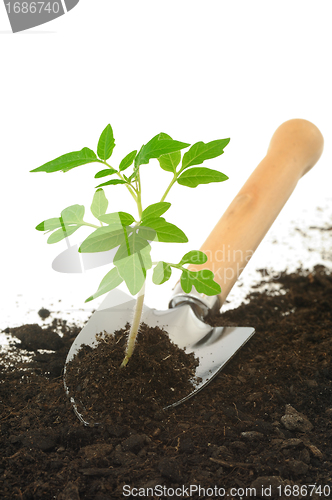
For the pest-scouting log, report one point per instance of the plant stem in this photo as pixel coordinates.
(130, 188)
(140, 297)
(91, 225)
(139, 196)
(134, 327)
(169, 187)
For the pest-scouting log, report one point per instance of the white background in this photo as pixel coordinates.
(195, 70)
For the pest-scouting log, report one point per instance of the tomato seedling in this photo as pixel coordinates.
(132, 235)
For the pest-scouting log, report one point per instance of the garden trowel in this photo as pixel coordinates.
(294, 148)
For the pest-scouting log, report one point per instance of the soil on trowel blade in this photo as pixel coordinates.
(265, 422)
(158, 374)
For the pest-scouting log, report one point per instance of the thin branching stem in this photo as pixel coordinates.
(130, 188)
(134, 327)
(169, 187)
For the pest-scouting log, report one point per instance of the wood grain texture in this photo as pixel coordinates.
(294, 149)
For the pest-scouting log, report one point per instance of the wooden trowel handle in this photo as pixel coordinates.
(294, 149)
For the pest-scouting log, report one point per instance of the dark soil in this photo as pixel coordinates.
(264, 421)
(157, 375)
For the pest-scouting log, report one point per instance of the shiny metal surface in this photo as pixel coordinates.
(214, 346)
(201, 303)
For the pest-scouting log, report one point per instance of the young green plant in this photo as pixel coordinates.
(132, 235)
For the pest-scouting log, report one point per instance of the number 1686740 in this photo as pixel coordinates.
(32, 7)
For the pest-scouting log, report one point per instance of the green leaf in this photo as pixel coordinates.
(155, 210)
(166, 232)
(99, 203)
(161, 273)
(132, 271)
(200, 152)
(73, 214)
(134, 244)
(159, 145)
(200, 175)
(113, 181)
(201, 280)
(49, 224)
(106, 143)
(106, 171)
(132, 176)
(120, 218)
(110, 281)
(170, 161)
(72, 219)
(194, 257)
(103, 239)
(147, 233)
(127, 160)
(132, 260)
(68, 161)
(62, 233)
